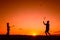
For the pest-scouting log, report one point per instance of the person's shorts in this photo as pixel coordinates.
(47, 31)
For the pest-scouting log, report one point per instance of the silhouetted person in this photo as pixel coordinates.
(8, 28)
(47, 27)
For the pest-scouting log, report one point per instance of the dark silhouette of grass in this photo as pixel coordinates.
(27, 37)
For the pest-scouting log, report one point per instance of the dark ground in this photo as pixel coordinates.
(25, 37)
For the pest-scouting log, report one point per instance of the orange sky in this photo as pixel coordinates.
(26, 17)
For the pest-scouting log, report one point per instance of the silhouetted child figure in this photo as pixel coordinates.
(8, 28)
(47, 27)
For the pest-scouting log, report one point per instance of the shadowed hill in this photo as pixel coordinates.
(26, 37)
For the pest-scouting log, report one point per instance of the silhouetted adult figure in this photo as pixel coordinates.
(8, 28)
(47, 27)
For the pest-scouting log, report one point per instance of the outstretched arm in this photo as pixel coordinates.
(44, 23)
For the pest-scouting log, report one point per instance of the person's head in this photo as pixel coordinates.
(7, 23)
(48, 22)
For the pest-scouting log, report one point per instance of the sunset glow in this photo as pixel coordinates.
(34, 34)
(26, 17)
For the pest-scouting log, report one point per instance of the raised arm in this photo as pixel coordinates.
(44, 23)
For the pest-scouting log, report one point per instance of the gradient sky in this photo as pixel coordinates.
(26, 16)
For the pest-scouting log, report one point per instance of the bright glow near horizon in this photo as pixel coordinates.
(34, 34)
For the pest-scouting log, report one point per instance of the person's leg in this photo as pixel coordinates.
(49, 33)
(46, 33)
(7, 32)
